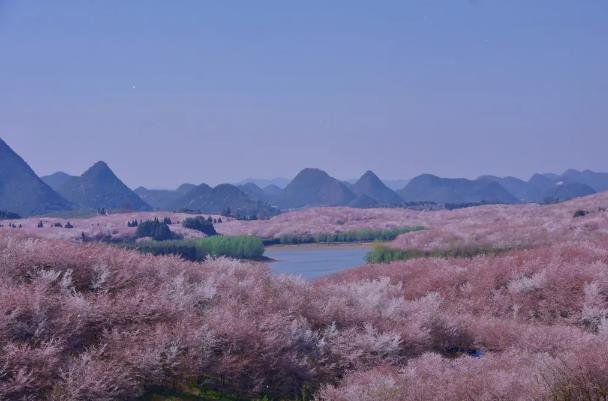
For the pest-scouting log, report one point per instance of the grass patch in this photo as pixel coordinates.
(382, 253)
(362, 235)
(239, 247)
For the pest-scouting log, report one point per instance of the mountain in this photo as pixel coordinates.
(99, 188)
(280, 182)
(543, 182)
(563, 191)
(430, 188)
(363, 201)
(162, 199)
(314, 187)
(273, 194)
(193, 198)
(597, 181)
(253, 191)
(185, 188)
(370, 185)
(56, 180)
(270, 194)
(272, 190)
(22, 191)
(522, 190)
(224, 196)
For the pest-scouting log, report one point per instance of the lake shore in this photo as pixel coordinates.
(319, 245)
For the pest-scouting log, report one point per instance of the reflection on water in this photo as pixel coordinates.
(315, 261)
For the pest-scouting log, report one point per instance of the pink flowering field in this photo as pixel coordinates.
(93, 322)
(111, 227)
(493, 225)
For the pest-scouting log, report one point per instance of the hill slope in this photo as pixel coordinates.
(430, 188)
(163, 199)
(56, 180)
(522, 190)
(314, 187)
(597, 181)
(370, 185)
(99, 188)
(22, 191)
(564, 191)
(224, 196)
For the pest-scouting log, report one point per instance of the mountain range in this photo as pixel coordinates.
(430, 188)
(98, 188)
(162, 199)
(24, 193)
(224, 198)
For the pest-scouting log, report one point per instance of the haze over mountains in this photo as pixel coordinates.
(23, 192)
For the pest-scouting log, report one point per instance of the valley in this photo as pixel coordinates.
(100, 190)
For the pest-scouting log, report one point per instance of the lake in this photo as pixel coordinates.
(315, 260)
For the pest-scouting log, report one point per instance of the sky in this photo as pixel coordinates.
(196, 91)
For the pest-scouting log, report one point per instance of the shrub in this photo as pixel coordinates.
(239, 247)
(155, 229)
(186, 249)
(580, 213)
(382, 253)
(91, 321)
(361, 235)
(201, 224)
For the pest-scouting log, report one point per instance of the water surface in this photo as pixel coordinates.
(312, 261)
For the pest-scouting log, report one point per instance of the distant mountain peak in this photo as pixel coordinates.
(21, 190)
(369, 186)
(56, 180)
(280, 182)
(98, 169)
(221, 197)
(100, 165)
(98, 187)
(314, 187)
(312, 172)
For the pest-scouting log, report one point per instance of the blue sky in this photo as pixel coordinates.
(174, 91)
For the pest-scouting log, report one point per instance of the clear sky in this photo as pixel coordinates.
(211, 91)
